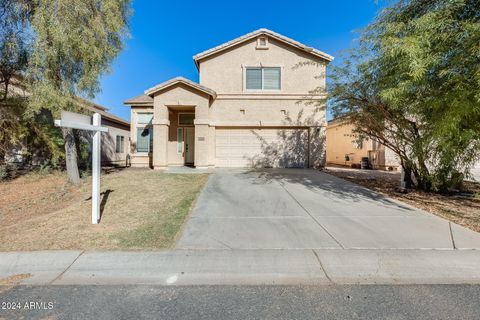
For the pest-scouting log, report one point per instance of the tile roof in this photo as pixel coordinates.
(142, 99)
(183, 80)
(256, 33)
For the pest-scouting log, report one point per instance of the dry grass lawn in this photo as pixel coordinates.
(462, 208)
(141, 209)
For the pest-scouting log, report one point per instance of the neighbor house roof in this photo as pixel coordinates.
(177, 80)
(94, 107)
(142, 99)
(256, 33)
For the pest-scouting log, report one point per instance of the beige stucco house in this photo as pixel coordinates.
(253, 107)
(346, 149)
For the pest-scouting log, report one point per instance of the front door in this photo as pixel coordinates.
(189, 145)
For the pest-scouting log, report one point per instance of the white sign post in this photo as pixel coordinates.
(82, 122)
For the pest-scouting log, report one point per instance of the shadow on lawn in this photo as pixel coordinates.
(105, 196)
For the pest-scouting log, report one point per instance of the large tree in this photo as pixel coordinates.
(71, 44)
(413, 83)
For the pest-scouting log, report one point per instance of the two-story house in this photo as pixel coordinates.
(254, 107)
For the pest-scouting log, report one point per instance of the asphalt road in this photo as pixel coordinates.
(243, 302)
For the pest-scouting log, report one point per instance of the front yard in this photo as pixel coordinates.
(141, 209)
(462, 208)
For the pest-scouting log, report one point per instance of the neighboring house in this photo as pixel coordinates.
(253, 107)
(346, 149)
(115, 142)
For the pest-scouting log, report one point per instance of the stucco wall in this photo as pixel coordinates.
(224, 72)
(171, 101)
(341, 141)
(109, 154)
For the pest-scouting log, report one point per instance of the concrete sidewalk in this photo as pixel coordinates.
(246, 267)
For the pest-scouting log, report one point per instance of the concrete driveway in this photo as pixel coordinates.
(308, 209)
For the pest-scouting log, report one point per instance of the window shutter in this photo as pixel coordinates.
(253, 79)
(271, 78)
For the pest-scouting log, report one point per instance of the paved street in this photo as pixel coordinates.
(251, 302)
(308, 209)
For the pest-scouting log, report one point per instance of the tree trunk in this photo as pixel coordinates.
(407, 177)
(71, 156)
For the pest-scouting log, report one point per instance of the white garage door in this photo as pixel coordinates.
(264, 148)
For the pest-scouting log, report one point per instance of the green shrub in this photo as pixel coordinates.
(3, 172)
(8, 171)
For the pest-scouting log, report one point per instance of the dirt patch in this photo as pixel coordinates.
(141, 209)
(462, 208)
(34, 195)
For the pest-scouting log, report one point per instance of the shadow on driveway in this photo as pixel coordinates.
(321, 181)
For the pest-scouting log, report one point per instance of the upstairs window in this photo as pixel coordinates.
(263, 78)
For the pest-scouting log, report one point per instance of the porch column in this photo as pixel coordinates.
(160, 137)
(202, 144)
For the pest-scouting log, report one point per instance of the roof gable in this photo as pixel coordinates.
(198, 57)
(178, 80)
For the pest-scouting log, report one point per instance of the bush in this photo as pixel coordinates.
(3, 172)
(8, 171)
(45, 169)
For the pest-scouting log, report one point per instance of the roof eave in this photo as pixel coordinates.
(152, 91)
(207, 53)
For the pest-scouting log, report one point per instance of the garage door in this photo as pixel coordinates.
(277, 148)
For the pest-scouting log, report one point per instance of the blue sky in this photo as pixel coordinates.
(164, 35)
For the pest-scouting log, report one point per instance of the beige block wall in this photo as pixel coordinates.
(224, 72)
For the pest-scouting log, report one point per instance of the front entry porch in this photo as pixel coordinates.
(182, 134)
(181, 137)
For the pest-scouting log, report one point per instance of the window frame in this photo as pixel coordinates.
(261, 67)
(180, 133)
(185, 125)
(150, 130)
(122, 144)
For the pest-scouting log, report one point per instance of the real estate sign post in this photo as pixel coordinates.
(82, 122)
